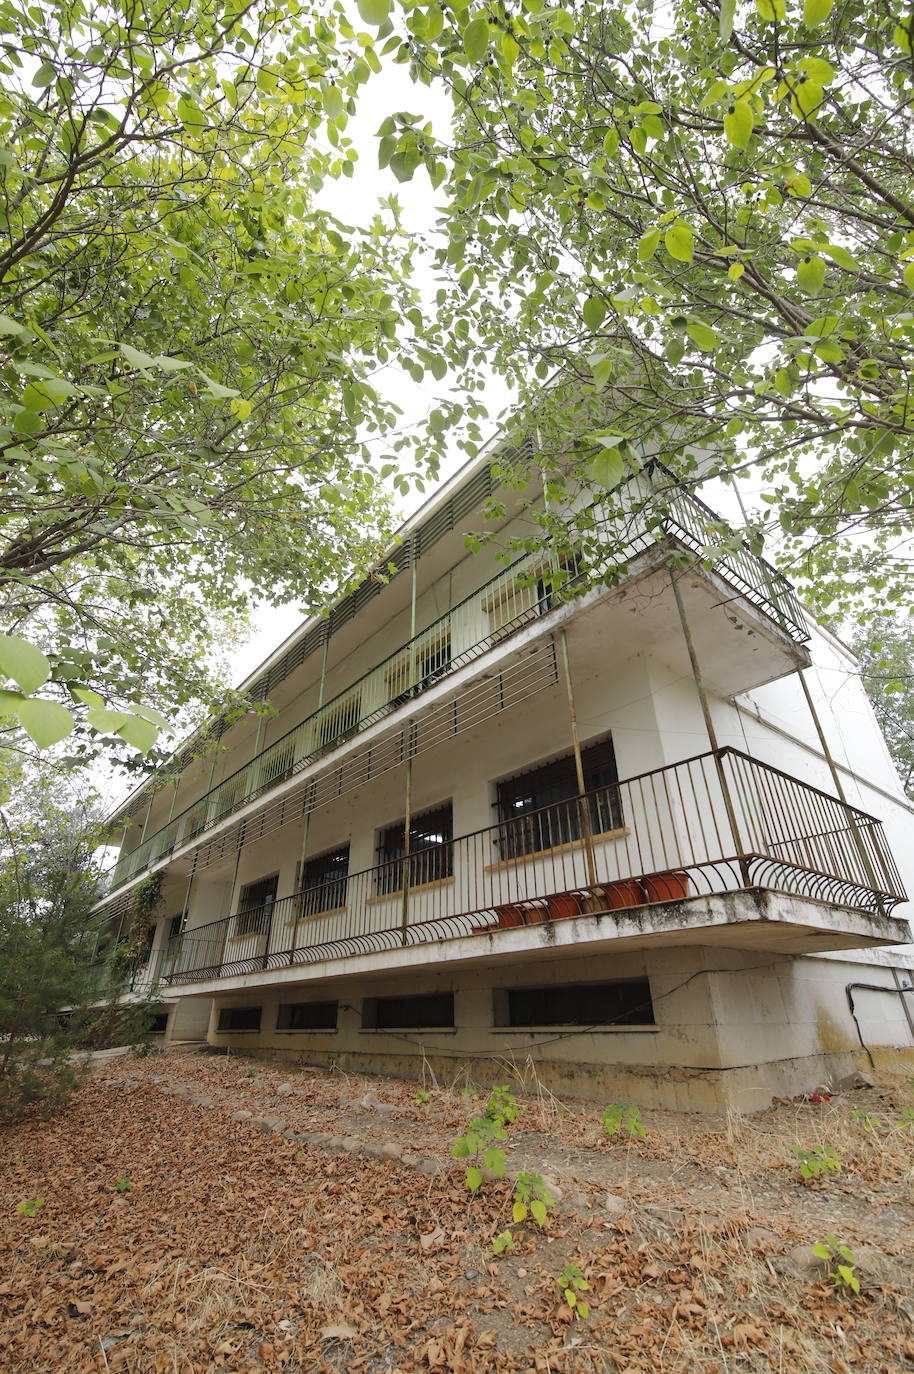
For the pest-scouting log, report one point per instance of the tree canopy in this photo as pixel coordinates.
(702, 215)
(189, 412)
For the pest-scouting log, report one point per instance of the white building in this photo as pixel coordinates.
(641, 837)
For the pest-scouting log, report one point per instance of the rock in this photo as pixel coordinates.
(615, 1206)
(201, 1101)
(372, 1103)
(268, 1124)
(429, 1166)
(284, 1090)
(850, 1081)
(874, 1265)
(552, 1187)
(805, 1265)
(337, 1142)
(410, 1160)
(351, 1143)
(391, 1150)
(242, 1116)
(371, 1147)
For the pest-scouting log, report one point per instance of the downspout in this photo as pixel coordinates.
(586, 827)
(876, 987)
(407, 823)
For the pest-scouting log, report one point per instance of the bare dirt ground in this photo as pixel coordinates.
(174, 1238)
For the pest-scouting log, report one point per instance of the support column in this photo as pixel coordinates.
(583, 807)
(723, 781)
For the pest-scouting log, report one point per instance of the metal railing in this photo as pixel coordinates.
(528, 588)
(718, 822)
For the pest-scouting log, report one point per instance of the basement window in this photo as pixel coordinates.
(623, 1002)
(300, 1016)
(239, 1018)
(540, 808)
(427, 1012)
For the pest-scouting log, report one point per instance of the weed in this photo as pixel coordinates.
(816, 1161)
(842, 1263)
(30, 1208)
(252, 1073)
(124, 1185)
(502, 1242)
(870, 1123)
(907, 1120)
(479, 1142)
(619, 1116)
(572, 1282)
(531, 1196)
(421, 1098)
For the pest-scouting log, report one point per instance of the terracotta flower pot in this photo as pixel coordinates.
(509, 916)
(623, 893)
(564, 904)
(666, 887)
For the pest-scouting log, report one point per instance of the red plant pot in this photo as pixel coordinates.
(623, 893)
(666, 887)
(509, 916)
(563, 905)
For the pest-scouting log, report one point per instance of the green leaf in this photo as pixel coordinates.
(87, 697)
(735, 270)
(909, 276)
(706, 338)
(9, 702)
(45, 75)
(811, 275)
(8, 326)
(474, 1178)
(822, 327)
(594, 312)
(608, 470)
(519, 1213)
(647, 245)
(140, 733)
(738, 123)
(771, 10)
(816, 12)
(476, 38)
(806, 98)
(727, 14)
(538, 1211)
(21, 661)
(46, 722)
(374, 12)
(136, 357)
(106, 722)
(679, 242)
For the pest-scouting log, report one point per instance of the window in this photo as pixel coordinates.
(339, 720)
(431, 851)
(239, 1018)
(408, 1013)
(175, 926)
(541, 808)
(625, 1002)
(158, 1022)
(307, 1016)
(323, 882)
(419, 666)
(255, 906)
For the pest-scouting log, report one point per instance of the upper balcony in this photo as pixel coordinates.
(524, 594)
(653, 857)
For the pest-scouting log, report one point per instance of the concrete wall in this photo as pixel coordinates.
(733, 1028)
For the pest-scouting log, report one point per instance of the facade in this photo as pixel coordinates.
(643, 840)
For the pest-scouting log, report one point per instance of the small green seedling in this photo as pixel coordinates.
(870, 1123)
(531, 1196)
(504, 1241)
(30, 1208)
(907, 1120)
(479, 1142)
(502, 1105)
(816, 1162)
(842, 1263)
(572, 1282)
(421, 1098)
(124, 1185)
(622, 1116)
(252, 1073)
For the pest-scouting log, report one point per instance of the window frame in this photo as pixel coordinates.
(521, 829)
(423, 869)
(337, 884)
(263, 910)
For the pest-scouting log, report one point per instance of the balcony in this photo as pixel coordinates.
(714, 824)
(529, 588)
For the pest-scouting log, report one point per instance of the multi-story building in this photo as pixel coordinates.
(635, 832)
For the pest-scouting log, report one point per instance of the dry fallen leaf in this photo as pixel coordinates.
(339, 1331)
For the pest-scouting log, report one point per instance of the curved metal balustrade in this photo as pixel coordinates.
(716, 823)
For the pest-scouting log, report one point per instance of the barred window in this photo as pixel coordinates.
(431, 850)
(255, 906)
(541, 807)
(623, 1002)
(323, 881)
(428, 1011)
(307, 1016)
(239, 1018)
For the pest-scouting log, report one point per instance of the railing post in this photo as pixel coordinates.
(722, 778)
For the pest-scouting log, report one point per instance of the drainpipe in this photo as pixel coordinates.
(408, 805)
(898, 991)
(586, 827)
(712, 733)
